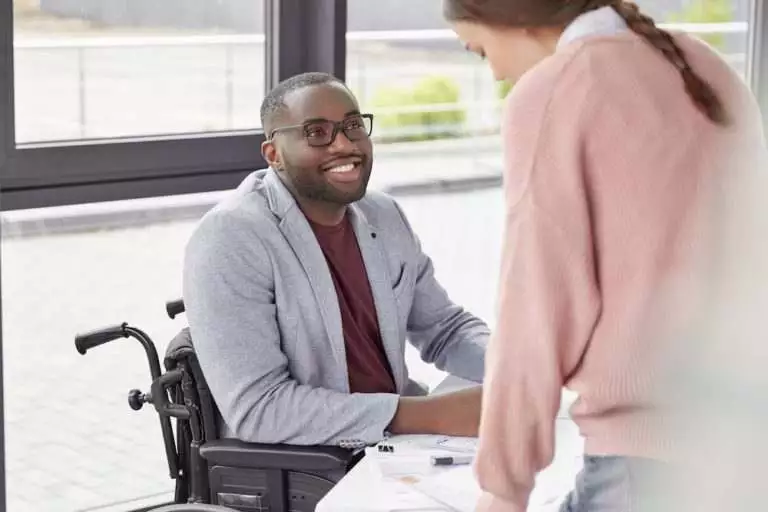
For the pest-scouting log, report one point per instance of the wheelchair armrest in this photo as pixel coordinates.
(231, 452)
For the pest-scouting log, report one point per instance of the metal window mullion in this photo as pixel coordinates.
(306, 36)
(7, 119)
(7, 145)
(758, 55)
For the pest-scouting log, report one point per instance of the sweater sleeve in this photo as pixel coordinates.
(548, 297)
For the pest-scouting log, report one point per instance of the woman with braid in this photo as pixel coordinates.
(617, 136)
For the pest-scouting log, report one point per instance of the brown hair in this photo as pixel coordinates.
(541, 13)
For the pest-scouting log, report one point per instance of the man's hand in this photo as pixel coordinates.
(456, 414)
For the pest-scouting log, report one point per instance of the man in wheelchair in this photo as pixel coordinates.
(301, 289)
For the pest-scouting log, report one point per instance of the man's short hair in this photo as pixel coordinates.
(274, 102)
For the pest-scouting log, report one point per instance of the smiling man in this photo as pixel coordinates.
(302, 288)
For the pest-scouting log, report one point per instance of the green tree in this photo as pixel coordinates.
(707, 11)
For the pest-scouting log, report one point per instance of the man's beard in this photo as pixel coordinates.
(311, 185)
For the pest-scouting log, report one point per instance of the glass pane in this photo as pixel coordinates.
(436, 121)
(437, 108)
(72, 442)
(108, 68)
(437, 125)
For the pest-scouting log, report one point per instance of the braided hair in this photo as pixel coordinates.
(700, 91)
(541, 13)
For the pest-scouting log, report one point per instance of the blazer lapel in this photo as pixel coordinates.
(381, 287)
(298, 232)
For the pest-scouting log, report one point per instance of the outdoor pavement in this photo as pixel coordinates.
(73, 444)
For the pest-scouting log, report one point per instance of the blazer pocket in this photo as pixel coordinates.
(403, 281)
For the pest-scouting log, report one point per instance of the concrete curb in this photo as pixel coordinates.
(140, 212)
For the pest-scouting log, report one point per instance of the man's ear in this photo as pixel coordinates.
(271, 154)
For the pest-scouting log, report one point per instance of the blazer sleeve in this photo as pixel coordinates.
(228, 287)
(446, 335)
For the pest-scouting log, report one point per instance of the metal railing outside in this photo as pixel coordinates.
(221, 81)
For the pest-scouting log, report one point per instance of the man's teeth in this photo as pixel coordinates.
(342, 168)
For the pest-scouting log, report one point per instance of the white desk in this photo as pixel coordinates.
(363, 490)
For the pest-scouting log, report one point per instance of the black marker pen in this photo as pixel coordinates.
(452, 460)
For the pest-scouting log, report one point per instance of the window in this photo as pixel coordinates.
(437, 117)
(114, 102)
(72, 442)
(117, 109)
(437, 107)
(143, 70)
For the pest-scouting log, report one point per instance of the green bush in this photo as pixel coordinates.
(707, 11)
(503, 88)
(419, 125)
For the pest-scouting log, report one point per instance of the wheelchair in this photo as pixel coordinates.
(211, 472)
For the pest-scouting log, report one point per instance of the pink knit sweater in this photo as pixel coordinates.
(610, 175)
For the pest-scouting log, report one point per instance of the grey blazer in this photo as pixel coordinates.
(265, 321)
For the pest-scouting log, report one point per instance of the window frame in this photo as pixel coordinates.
(7, 140)
(298, 38)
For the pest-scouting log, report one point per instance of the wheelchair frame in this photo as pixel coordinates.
(248, 477)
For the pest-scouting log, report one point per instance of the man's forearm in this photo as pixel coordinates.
(456, 413)
(413, 416)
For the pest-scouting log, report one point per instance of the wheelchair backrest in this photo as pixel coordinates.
(181, 354)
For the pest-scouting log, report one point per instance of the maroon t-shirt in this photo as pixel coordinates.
(367, 364)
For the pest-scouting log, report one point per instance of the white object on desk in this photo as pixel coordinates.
(365, 489)
(410, 456)
(419, 443)
(456, 488)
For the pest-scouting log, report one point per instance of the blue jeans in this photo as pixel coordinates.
(617, 484)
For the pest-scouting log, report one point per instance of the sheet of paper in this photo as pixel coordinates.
(454, 487)
(410, 455)
(419, 443)
(364, 489)
(401, 497)
(457, 488)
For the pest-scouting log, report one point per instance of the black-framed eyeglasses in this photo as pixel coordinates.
(322, 132)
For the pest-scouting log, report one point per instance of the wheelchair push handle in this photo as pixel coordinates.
(174, 308)
(86, 341)
(136, 399)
